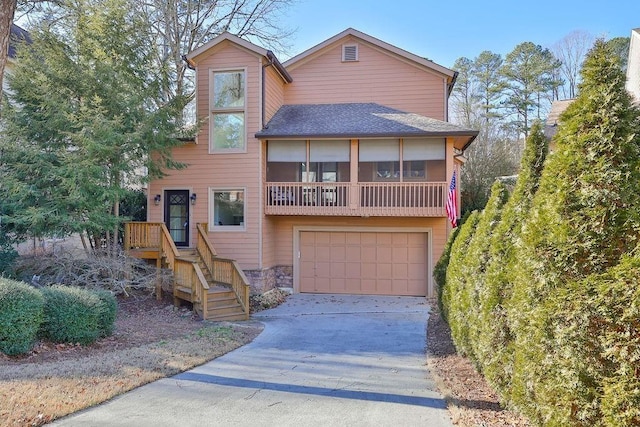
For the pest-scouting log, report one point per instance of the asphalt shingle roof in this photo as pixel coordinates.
(17, 35)
(357, 120)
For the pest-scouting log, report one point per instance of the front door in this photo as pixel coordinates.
(176, 215)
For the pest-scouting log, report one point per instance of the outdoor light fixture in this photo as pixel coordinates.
(193, 198)
(156, 199)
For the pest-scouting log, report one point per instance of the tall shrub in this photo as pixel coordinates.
(475, 265)
(597, 324)
(440, 269)
(454, 299)
(583, 219)
(495, 339)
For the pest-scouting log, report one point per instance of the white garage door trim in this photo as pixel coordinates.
(296, 247)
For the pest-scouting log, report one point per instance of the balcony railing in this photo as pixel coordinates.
(356, 199)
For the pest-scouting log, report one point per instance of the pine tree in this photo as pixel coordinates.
(84, 118)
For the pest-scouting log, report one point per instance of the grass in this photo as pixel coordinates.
(37, 393)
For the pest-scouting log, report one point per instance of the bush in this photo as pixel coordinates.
(475, 264)
(120, 274)
(452, 303)
(108, 312)
(21, 308)
(72, 315)
(597, 322)
(440, 269)
(496, 337)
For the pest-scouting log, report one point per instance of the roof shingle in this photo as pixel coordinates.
(357, 120)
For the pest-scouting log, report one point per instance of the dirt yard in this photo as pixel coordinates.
(471, 402)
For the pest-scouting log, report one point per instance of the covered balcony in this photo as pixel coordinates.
(358, 160)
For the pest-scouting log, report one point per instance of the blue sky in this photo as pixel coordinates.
(446, 30)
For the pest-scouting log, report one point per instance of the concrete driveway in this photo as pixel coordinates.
(322, 360)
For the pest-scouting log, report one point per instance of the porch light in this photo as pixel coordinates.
(193, 198)
(156, 199)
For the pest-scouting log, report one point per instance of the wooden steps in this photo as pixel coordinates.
(219, 299)
(222, 303)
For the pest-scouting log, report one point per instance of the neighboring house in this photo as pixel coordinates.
(16, 36)
(633, 86)
(553, 119)
(633, 65)
(328, 173)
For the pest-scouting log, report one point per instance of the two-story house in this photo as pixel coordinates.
(328, 172)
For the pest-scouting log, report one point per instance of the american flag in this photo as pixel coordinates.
(452, 202)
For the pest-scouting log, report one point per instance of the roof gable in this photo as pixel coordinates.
(381, 45)
(191, 57)
(226, 36)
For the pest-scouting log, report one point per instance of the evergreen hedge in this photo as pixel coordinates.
(549, 309)
(72, 315)
(21, 308)
(454, 298)
(495, 338)
(440, 269)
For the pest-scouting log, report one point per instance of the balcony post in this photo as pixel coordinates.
(354, 193)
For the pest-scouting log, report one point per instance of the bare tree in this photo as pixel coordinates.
(571, 50)
(177, 27)
(464, 99)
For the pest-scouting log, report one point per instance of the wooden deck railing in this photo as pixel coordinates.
(356, 199)
(224, 271)
(142, 235)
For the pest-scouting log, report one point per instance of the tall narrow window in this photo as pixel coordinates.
(227, 111)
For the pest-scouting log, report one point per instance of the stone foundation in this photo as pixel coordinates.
(260, 281)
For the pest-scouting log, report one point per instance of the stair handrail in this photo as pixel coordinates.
(236, 278)
(191, 277)
(167, 247)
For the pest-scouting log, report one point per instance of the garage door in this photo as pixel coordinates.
(378, 263)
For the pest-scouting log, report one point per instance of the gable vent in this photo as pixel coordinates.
(349, 52)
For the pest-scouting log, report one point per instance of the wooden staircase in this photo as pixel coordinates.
(221, 301)
(217, 287)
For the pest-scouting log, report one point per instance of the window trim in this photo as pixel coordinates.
(213, 227)
(229, 110)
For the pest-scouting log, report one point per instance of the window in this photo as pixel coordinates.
(410, 159)
(379, 160)
(228, 210)
(328, 161)
(423, 159)
(227, 111)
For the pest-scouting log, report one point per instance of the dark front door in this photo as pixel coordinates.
(176, 215)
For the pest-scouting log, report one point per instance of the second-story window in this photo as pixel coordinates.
(227, 122)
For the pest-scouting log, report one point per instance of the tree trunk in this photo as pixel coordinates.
(7, 11)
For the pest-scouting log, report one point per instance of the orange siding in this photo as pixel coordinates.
(226, 171)
(269, 232)
(377, 77)
(274, 92)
